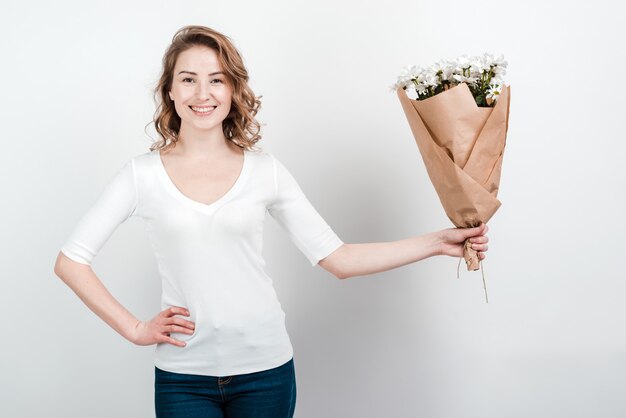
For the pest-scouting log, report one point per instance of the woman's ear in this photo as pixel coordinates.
(171, 98)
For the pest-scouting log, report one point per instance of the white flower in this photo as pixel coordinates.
(431, 79)
(499, 61)
(462, 62)
(479, 65)
(463, 79)
(420, 88)
(446, 68)
(402, 82)
(408, 74)
(409, 71)
(498, 64)
(497, 79)
(495, 88)
(492, 93)
(462, 70)
(488, 59)
(496, 61)
(499, 71)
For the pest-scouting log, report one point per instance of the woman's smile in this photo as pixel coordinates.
(203, 111)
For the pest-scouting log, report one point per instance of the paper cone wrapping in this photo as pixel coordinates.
(462, 146)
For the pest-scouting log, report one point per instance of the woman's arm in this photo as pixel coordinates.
(351, 260)
(84, 282)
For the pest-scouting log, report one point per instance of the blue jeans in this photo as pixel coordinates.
(266, 394)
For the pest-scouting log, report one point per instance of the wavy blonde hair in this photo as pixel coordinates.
(240, 126)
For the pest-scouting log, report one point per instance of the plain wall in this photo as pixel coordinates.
(414, 341)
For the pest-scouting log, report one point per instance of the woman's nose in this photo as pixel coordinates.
(203, 90)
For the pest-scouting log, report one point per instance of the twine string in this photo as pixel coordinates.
(481, 266)
(482, 270)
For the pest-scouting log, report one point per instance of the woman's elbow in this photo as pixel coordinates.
(58, 265)
(63, 264)
(333, 263)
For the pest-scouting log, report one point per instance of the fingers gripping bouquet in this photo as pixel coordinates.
(458, 112)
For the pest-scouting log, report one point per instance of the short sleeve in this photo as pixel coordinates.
(116, 203)
(295, 214)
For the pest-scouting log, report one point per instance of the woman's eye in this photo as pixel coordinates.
(188, 79)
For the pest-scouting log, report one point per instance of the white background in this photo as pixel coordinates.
(414, 341)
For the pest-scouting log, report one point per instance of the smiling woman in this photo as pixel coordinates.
(204, 192)
(201, 61)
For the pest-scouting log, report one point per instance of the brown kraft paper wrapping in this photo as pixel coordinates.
(462, 146)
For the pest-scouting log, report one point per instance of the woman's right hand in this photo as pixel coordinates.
(158, 329)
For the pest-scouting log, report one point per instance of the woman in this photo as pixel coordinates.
(203, 191)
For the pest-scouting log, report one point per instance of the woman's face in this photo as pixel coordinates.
(198, 84)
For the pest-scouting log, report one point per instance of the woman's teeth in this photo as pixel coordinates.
(202, 109)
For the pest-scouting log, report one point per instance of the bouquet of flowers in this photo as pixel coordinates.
(458, 112)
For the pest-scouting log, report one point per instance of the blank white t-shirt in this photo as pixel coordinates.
(209, 257)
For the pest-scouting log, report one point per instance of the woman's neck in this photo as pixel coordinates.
(205, 145)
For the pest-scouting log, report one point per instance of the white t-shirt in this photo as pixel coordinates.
(209, 257)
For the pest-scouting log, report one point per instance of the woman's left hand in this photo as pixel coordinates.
(451, 240)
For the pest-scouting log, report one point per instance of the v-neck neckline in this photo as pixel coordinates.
(194, 204)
